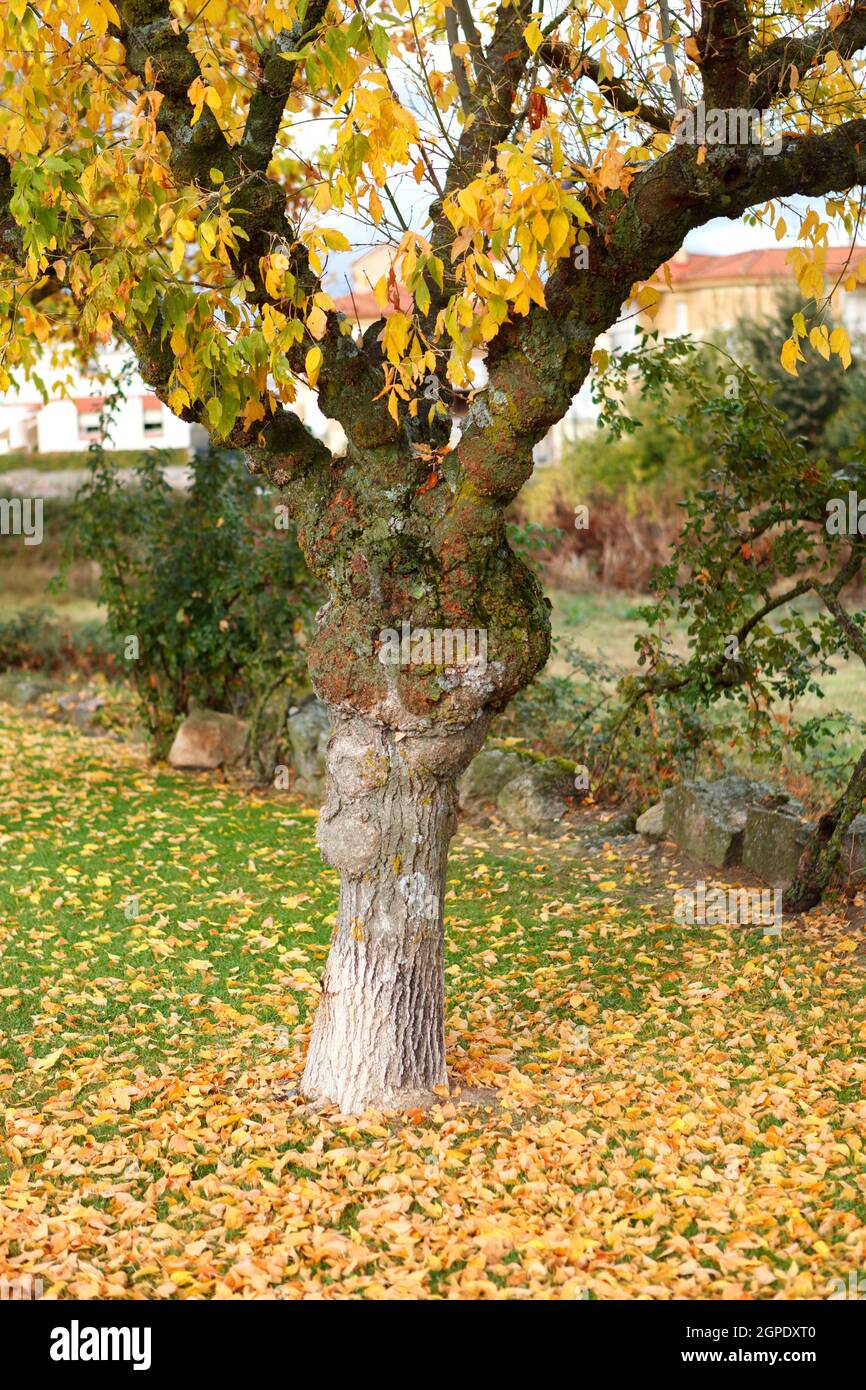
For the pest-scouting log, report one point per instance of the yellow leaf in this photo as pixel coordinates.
(45, 1063)
(790, 355)
(533, 37)
(317, 322)
(313, 364)
(840, 343)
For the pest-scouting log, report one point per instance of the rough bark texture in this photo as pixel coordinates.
(825, 845)
(378, 1036)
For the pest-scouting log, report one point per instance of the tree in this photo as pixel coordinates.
(159, 183)
(808, 400)
(207, 601)
(769, 557)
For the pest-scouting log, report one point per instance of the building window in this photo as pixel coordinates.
(682, 317)
(89, 425)
(153, 422)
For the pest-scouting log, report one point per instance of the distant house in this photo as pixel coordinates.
(700, 295)
(710, 294)
(71, 419)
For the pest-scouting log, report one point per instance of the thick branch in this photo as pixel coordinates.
(538, 363)
(615, 90)
(268, 101)
(723, 44)
(499, 70)
(773, 64)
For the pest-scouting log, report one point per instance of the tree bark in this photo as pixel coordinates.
(825, 845)
(378, 1038)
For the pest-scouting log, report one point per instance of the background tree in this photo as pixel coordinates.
(763, 582)
(159, 182)
(216, 598)
(811, 399)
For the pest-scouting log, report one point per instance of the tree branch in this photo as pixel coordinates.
(615, 90)
(772, 64)
(268, 101)
(723, 44)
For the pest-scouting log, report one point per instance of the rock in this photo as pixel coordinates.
(535, 799)
(207, 739)
(309, 729)
(773, 842)
(707, 820)
(79, 708)
(652, 823)
(21, 691)
(486, 775)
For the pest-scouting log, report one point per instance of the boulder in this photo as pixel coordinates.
(207, 739)
(486, 776)
(309, 728)
(773, 842)
(707, 820)
(21, 691)
(851, 870)
(535, 799)
(652, 823)
(80, 709)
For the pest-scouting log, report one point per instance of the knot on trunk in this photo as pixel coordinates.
(388, 789)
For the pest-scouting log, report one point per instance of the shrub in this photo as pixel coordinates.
(35, 640)
(208, 602)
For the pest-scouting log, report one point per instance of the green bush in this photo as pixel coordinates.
(208, 602)
(35, 640)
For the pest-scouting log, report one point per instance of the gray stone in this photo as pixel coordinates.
(308, 729)
(652, 823)
(707, 820)
(80, 709)
(207, 739)
(487, 774)
(21, 691)
(773, 842)
(535, 799)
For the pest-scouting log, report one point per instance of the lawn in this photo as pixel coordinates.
(664, 1112)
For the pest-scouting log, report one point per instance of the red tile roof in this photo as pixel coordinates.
(364, 305)
(686, 268)
(770, 263)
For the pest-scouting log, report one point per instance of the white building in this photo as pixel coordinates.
(70, 420)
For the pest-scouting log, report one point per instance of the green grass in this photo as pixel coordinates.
(150, 1144)
(78, 458)
(604, 624)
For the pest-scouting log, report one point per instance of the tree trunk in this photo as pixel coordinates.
(379, 1037)
(824, 847)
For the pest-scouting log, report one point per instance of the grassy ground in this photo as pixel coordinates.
(78, 458)
(604, 623)
(161, 943)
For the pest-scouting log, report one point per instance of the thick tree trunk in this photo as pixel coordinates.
(378, 1037)
(825, 845)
